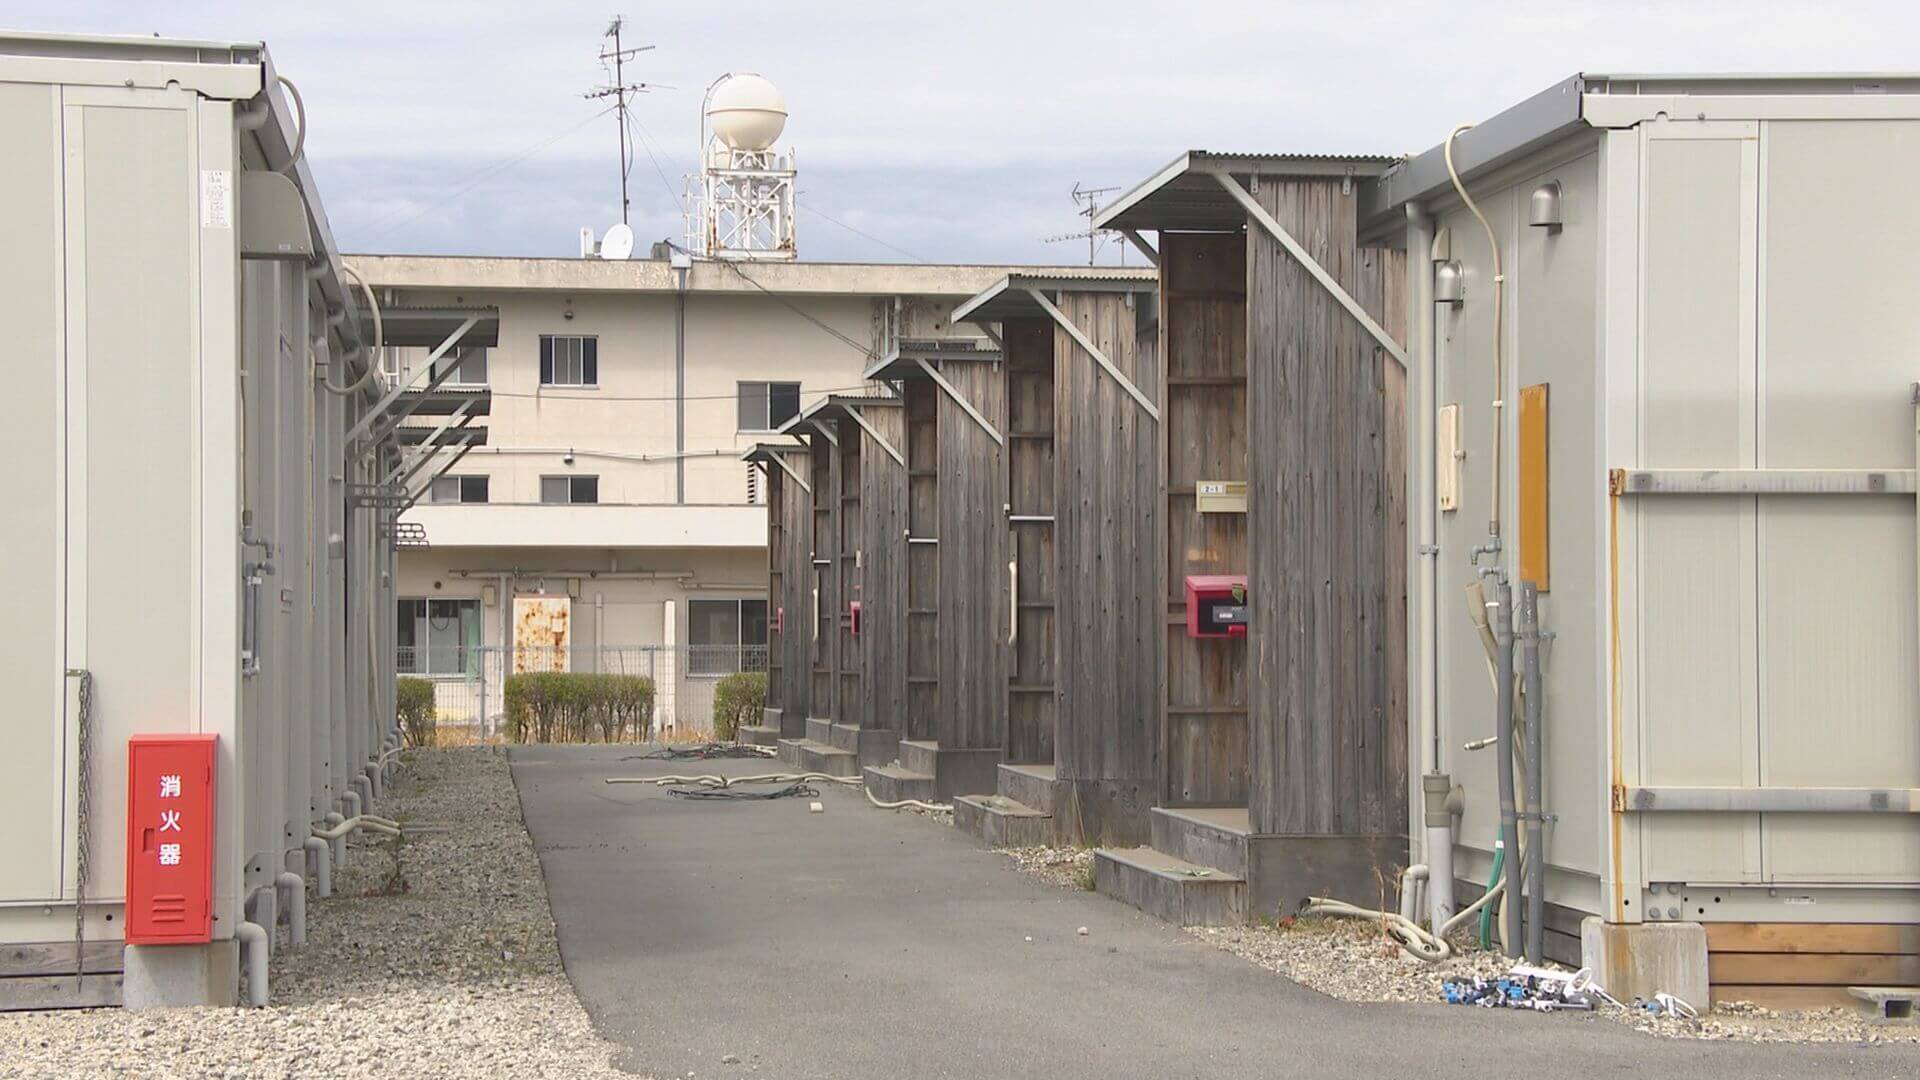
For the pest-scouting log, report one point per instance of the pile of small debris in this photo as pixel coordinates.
(1069, 868)
(434, 958)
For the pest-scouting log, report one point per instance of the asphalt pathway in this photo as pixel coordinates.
(860, 944)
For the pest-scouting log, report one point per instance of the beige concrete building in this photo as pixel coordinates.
(609, 512)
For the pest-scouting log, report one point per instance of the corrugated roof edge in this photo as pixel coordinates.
(1199, 160)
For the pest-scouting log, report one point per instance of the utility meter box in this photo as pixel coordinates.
(170, 839)
(1220, 496)
(1216, 605)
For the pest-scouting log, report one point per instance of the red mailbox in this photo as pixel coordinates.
(170, 839)
(1217, 605)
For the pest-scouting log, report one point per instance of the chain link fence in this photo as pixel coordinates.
(469, 681)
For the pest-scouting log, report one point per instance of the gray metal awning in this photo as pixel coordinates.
(819, 418)
(767, 453)
(443, 400)
(420, 434)
(905, 361)
(1186, 197)
(1012, 297)
(427, 326)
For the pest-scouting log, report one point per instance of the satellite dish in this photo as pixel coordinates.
(618, 243)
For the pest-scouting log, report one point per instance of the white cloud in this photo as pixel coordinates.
(954, 131)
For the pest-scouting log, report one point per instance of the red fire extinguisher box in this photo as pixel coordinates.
(170, 839)
(1217, 605)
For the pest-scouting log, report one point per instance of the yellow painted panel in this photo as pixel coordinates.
(1533, 486)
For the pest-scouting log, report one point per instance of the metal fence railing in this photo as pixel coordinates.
(469, 681)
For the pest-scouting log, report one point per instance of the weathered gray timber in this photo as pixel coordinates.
(1203, 318)
(1029, 686)
(823, 459)
(880, 565)
(1329, 731)
(1083, 390)
(789, 591)
(972, 588)
(924, 627)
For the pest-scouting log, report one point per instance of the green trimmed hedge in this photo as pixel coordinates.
(738, 699)
(578, 706)
(418, 719)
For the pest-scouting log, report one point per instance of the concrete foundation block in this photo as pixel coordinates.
(172, 976)
(1643, 959)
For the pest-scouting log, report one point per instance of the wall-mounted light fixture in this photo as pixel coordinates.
(1543, 208)
(1449, 282)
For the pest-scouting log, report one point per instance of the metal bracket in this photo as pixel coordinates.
(1780, 800)
(402, 386)
(414, 497)
(960, 400)
(1060, 318)
(1318, 272)
(1761, 482)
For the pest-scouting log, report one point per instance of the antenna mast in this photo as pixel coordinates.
(619, 91)
(1088, 200)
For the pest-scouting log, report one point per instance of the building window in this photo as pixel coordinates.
(469, 364)
(764, 406)
(458, 489)
(439, 636)
(569, 361)
(569, 489)
(725, 636)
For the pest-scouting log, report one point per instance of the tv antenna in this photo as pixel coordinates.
(619, 90)
(1088, 200)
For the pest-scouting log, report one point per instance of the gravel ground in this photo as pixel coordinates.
(1350, 959)
(447, 968)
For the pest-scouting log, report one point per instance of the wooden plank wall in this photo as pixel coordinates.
(1028, 352)
(882, 567)
(1106, 534)
(789, 578)
(1808, 965)
(973, 591)
(923, 560)
(1328, 728)
(1203, 319)
(847, 699)
(823, 468)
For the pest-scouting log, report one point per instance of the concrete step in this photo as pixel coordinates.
(892, 783)
(874, 746)
(1215, 837)
(1176, 890)
(1030, 784)
(757, 735)
(806, 755)
(955, 771)
(820, 729)
(1000, 822)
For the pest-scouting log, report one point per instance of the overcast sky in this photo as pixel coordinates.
(951, 131)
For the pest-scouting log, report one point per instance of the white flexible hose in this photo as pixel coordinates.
(1499, 309)
(379, 338)
(715, 780)
(916, 804)
(1415, 940)
(300, 137)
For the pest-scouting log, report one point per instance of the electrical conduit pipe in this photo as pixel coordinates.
(320, 857)
(253, 955)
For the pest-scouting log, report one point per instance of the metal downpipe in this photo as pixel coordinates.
(1535, 817)
(1502, 621)
(253, 956)
(320, 859)
(293, 889)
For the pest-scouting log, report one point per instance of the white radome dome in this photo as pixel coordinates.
(746, 112)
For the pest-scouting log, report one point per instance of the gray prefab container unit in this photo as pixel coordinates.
(1084, 625)
(1282, 765)
(789, 571)
(859, 479)
(1713, 277)
(954, 409)
(202, 554)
